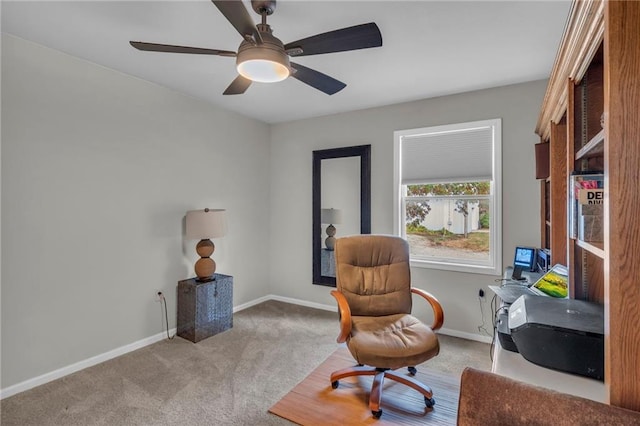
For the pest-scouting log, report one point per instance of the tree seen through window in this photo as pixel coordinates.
(461, 198)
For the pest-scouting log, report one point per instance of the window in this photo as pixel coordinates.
(447, 195)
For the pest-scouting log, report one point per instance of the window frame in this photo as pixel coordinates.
(494, 265)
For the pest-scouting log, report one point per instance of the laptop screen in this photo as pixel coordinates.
(554, 283)
(525, 258)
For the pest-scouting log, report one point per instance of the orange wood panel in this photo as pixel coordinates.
(595, 277)
(594, 97)
(622, 202)
(574, 111)
(543, 215)
(558, 188)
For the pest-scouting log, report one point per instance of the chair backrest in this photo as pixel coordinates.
(372, 271)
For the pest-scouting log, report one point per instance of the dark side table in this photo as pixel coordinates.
(205, 308)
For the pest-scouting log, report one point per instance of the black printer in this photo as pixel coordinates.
(561, 334)
(502, 329)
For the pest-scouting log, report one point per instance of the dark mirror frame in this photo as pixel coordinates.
(362, 151)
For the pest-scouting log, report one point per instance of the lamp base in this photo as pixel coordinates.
(330, 242)
(205, 267)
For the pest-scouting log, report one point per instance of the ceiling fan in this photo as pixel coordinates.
(263, 58)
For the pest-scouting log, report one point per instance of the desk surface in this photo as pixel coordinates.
(513, 365)
(531, 277)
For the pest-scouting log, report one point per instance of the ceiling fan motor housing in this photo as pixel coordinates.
(263, 6)
(271, 49)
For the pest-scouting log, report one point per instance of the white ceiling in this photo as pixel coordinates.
(430, 48)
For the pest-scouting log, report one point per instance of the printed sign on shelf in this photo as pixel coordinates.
(591, 196)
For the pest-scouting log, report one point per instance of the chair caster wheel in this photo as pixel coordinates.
(335, 384)
(412, 370)
(376, 414)
(429, 402)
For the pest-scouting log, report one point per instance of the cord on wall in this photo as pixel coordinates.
(482, 327)
(494, 311)
(166, 315)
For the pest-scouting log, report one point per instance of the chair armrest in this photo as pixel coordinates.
(345, 316)
(438, 313)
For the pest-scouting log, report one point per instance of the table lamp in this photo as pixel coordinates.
(203, 225)
(330, 216)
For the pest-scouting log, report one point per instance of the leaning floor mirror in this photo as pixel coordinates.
(341, 203)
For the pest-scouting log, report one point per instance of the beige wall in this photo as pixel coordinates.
(291, 152)
(98, 170)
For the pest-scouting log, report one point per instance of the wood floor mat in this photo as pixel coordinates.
(314, 402)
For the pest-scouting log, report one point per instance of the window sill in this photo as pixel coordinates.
(457, 267)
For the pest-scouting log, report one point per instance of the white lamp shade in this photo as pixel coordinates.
(205, 224)
(331, 216)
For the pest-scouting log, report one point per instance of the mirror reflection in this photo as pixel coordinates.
(341, 203)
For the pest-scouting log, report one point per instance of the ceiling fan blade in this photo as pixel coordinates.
(352, 38)
(238, 86)
(238, 16)
(155, 47)
(316, 79)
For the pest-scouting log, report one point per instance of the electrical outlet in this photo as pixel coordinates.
(481, 293)
(159, 296)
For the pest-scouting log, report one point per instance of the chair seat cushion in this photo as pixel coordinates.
(391, 341)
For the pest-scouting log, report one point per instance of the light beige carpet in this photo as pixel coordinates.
(314, 402)
(228, 379)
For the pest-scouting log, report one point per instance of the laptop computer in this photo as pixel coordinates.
(554, 283)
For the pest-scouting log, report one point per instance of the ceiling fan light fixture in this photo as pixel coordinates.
(263, 70)
(265, 63)
(262, 57)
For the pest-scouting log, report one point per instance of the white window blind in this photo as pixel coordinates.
(447, 155)
(456, 153)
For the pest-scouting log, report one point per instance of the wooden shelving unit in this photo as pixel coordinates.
(593, 148)
(597, 76)
(593, 248)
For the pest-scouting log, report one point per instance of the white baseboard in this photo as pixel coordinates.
(89, 362)
(465, 335)
(330, 308)
(81, 365)
(251, 303)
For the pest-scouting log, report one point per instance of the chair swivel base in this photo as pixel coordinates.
(375, 397)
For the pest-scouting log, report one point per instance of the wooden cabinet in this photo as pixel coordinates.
(585, 153)
(596, 77)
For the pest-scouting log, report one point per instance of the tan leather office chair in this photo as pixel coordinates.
(374, 300)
